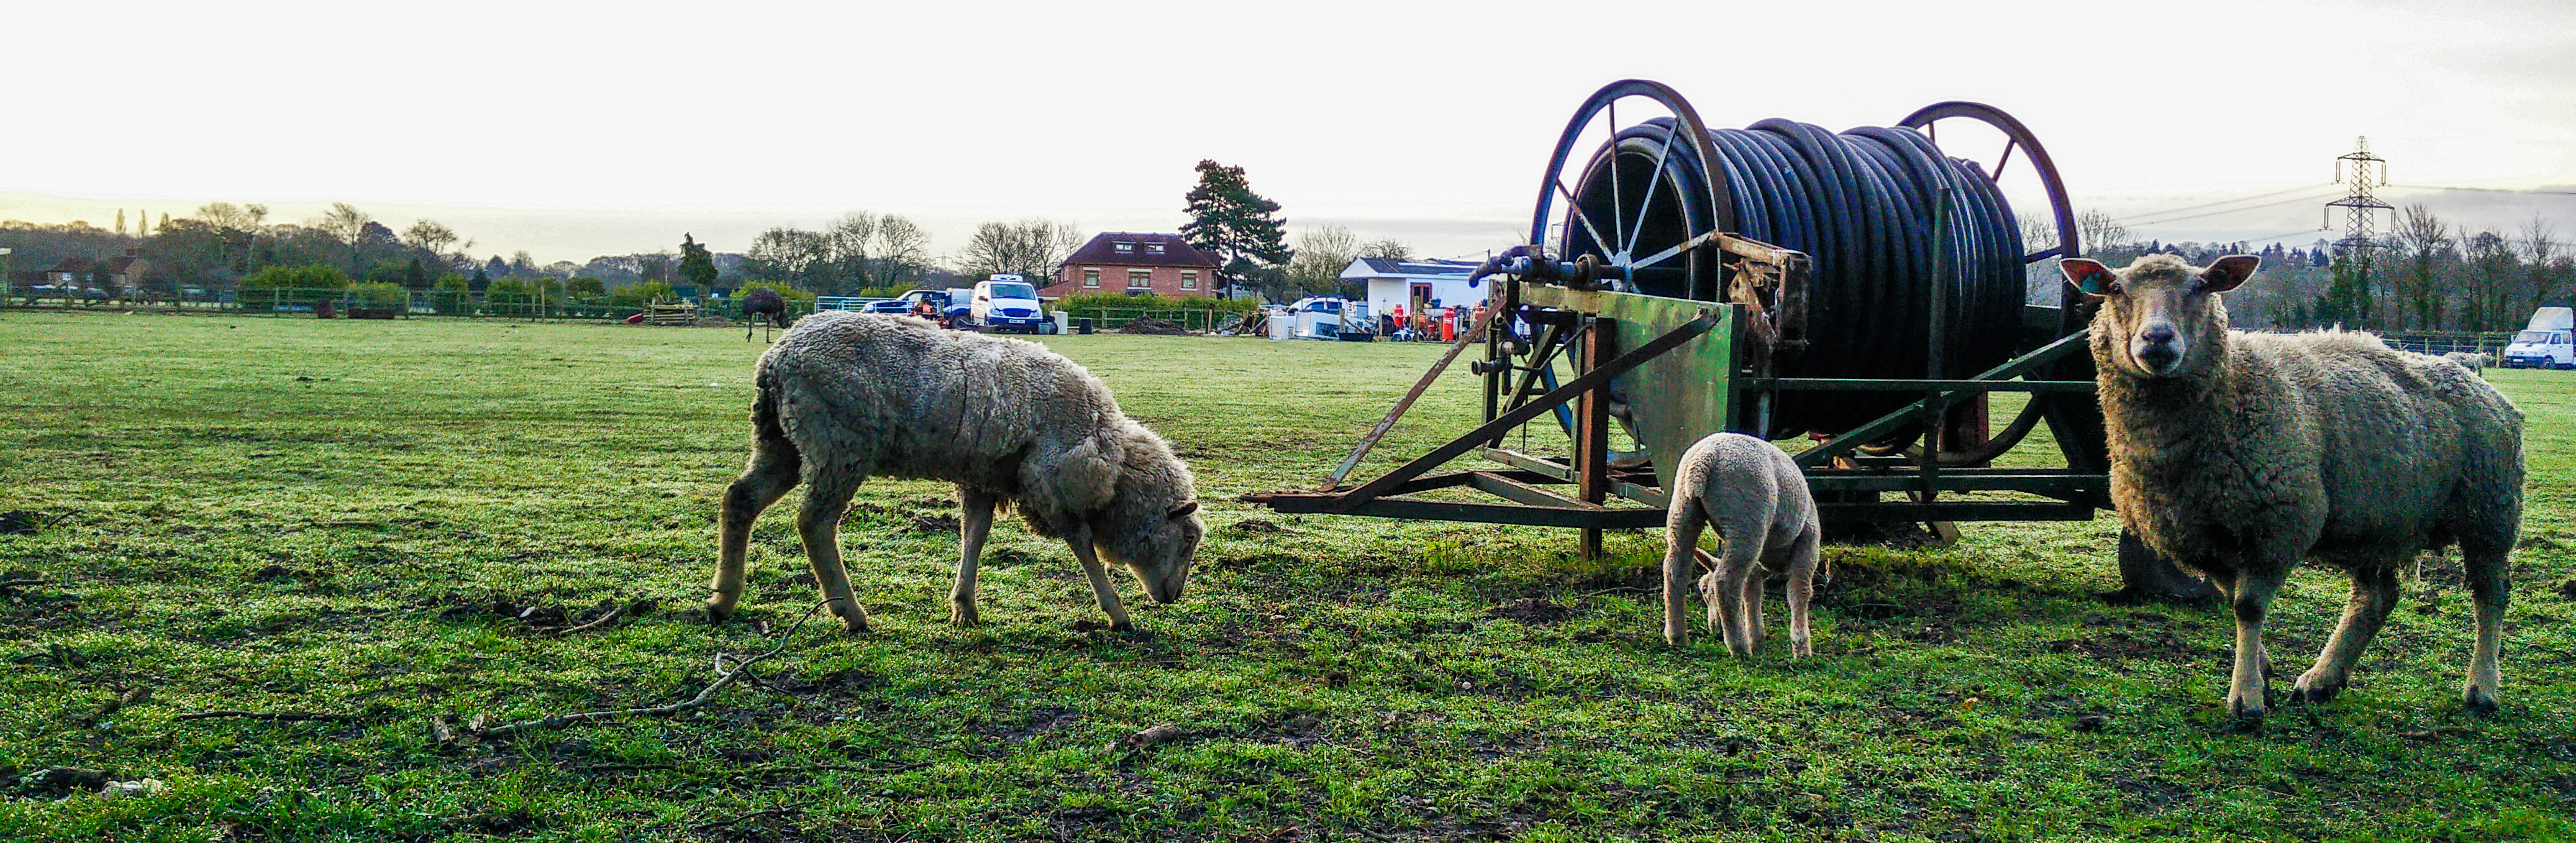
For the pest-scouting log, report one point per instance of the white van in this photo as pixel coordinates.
(1006, 303)
(2549, 342)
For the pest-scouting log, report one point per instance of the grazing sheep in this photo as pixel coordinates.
(763, 305)
(2238, 454)
(2474, 361)
(1757, 498)
(846, 396)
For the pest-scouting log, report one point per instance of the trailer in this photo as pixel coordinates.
(1861, 291)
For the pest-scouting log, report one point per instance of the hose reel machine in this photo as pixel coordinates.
(1862, 289)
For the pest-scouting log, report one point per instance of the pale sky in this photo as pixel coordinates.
(573, 130)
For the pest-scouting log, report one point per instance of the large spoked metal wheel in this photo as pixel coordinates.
(2044, 239)
(1646, 204)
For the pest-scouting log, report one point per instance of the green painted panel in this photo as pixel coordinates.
(1680, 397)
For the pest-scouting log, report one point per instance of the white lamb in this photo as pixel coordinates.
(1757, 498)
(846, 396)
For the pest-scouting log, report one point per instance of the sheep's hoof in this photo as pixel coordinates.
(2477, 700)
(2312, 689)
(718, 611)
(1123, 628)
(2245, 711)
(963, 614)
(855, 627)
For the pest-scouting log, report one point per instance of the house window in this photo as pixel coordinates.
(1189, 279)
(1123, 247)
(1140, 279)
(1091, 277)
(1153, 248)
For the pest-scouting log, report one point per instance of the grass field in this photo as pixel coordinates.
(346, 518)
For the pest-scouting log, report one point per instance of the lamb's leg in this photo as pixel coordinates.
(2490, 577)
(976, 523)
(1742, 561)
(2374, 592)
(1802, 589)
(2249, 600)
(1080, 539)
(1756, 630)
(827, 495)
(1682, 526)
(771, 474)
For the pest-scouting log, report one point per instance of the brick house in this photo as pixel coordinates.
(1136, 264)
(124, 273)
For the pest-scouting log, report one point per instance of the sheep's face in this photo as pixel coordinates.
(2160, 317)
(1159, 553)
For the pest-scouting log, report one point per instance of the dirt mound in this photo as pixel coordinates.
(1150, 325)
(1533, 611)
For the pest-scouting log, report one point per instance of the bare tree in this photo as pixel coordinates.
(1030, 248)
(654, 266)
(901, 249)
(2424, 242)
(851, 238)
(2539, 244)
(1322, 253)
(789, 255)
(438, 240)
(235, 217)
(1388, 248)
(345, 223)
(2101, 234)
(2493, 273)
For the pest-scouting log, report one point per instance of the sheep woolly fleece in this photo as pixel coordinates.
(2382, 445)
(899, 397)
(846, 396)
(2257, 449)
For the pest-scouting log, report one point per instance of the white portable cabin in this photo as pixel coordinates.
(1411, 283)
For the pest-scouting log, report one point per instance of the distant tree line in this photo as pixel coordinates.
(2426, 275)
(225, 246)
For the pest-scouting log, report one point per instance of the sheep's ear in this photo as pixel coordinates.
(2227, 272)
(2090, 276)
(1185, 510)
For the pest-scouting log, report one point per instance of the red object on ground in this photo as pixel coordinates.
(636, 319)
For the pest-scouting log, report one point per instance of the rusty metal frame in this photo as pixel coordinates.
(1530, 504)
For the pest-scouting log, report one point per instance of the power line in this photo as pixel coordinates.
(2159, 213)
(2232, 210)
(2285, 234)
(2486, 189)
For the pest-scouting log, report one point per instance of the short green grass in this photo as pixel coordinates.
(318, 516)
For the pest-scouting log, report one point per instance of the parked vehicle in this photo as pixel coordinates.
(938, 297)
(1330, 318)
(893, 306)
(1005, 303)
(2549, 342)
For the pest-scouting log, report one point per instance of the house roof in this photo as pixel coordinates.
(1103, 250)
(1391, 268)
(117, 265)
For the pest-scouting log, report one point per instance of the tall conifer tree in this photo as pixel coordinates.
(1227, 218)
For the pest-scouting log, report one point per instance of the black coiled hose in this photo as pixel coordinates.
(1864, 204)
